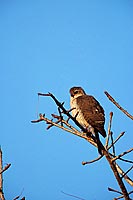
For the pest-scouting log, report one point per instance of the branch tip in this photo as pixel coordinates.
(83, 163)
(111, 114)
(42, 94)
(117, 105)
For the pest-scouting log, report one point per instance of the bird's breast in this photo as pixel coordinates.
(78, 112)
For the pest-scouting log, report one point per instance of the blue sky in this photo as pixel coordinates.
(52, 46)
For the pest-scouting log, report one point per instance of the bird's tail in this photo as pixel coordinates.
(98, 142)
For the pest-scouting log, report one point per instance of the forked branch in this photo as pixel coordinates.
(60, 122)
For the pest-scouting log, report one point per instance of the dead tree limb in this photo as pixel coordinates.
(118, 106)
(113, 190)
(109, 130)
(122, 154)
(127, 171)
(92, 161)
(17, 197)
(121, 197)
(5, 168)
(1, 178)
(89, 137)
(71, 195)
(121, 134)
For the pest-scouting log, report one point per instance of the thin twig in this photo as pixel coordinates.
(42, 118)
(120, 197)
(121, 134)
(71, 195)
(1, 177)
(113, 190)
(129, 181)
(5, 168)
(57, 117)
(17, 197)
(78, 133)
(70, 128)
(92, 161)
(122, 159)
(109, 130)
(127, 171)
(125, 160)
(112, 143)
(118, 106)
(61, 117)
(122, 154)
(53, 124)
(127, 178)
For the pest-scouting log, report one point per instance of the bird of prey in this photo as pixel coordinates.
(88, 111)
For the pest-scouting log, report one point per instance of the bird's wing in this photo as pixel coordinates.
(93, 112)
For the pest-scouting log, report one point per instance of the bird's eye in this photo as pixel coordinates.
(76, 91)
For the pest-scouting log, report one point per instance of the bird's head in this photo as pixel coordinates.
(76, 92)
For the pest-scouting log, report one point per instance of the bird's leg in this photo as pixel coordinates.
(90, 130)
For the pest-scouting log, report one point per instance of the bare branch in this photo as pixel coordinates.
(17, 197)
(118, 106)
(127, 171)
(71, 195)
(121, 134)
(70, 128)
(125, 160)
(129, 181)
(61, 117)
(57, 117)
(109, 130)
(42, 94)
(52, 124)
(5, 168)
(92, 161)
(38, 120)
(1, 178)
(112, 143)
(64, 110)
(113, 190)
(122, 154)
(89, 138)
(116, 191)
(121, 197)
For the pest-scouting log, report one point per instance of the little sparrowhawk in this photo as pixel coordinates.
(88, 111)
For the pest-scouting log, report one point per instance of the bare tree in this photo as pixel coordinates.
(63, 121)
(2, 197)
(1, 178)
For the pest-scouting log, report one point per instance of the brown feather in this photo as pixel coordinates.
(93, 112)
